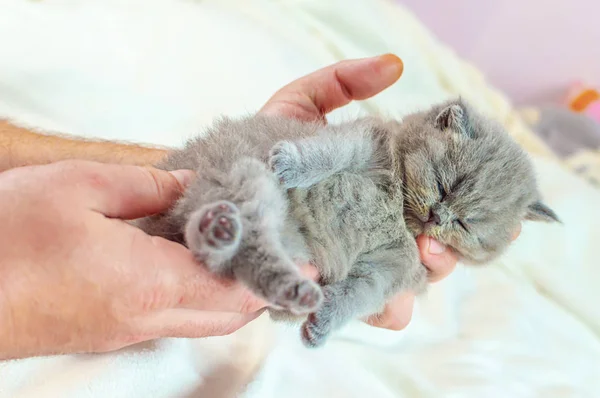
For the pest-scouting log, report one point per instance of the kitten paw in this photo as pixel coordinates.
(299, 297)
(319, 325)
(220, 225)
(285, 162)
(213, 232)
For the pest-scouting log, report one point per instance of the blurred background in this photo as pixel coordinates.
(534, 50)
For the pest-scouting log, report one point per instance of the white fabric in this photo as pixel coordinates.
(156, 71)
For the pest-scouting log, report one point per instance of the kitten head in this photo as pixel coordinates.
(466, 182)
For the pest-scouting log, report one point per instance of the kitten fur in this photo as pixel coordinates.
(271, 193)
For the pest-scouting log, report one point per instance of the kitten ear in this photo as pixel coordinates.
(538, 211)
(453, 117)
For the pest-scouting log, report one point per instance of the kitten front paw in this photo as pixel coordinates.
(213, 233)
(285, 161)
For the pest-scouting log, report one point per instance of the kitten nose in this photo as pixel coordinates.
(434, 218)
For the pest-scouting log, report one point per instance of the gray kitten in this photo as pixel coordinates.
(350, 198)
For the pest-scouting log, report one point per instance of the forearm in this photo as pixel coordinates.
(22, 147)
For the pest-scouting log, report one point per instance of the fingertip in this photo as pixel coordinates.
(129, 192)
(400, 323)
(397, 314)
(183, 177)
(434, 247)
(437, 258)
(402, 308)
(393, 63)
(310, 271)
(517, 232)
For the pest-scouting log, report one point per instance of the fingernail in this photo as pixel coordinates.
(436, 247)
(183, 176)
(393, 64)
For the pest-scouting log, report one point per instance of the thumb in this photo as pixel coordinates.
(439, 260)
(129, 192)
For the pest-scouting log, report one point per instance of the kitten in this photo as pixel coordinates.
(271, 193)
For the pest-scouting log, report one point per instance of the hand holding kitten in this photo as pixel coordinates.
(92, 286)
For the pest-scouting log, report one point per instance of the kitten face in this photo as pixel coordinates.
(466, 182)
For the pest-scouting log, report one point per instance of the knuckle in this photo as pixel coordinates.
(97, 180)
(158, 184)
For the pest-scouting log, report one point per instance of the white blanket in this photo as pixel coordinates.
(156, 71)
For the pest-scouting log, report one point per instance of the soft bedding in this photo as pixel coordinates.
(156, 71)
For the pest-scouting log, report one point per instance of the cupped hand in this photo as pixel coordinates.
(75, 277)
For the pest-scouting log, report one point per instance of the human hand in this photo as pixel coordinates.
(311, 98)
(76, 278)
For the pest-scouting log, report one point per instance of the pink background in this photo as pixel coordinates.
(531, 49)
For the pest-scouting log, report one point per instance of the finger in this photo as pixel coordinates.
(517, 232)
(191, 285)
(188, 284)
(397, 313)
(185, 323)
(185, 283)
(314, 95)
(209, 292)
(310, 271)
(438, 259)
(127, 192)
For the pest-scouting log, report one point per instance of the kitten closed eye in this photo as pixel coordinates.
(462, 224)
(442, 191)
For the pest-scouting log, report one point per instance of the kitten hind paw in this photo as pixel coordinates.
(298, 297)
(219, 225)
(214, 232)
